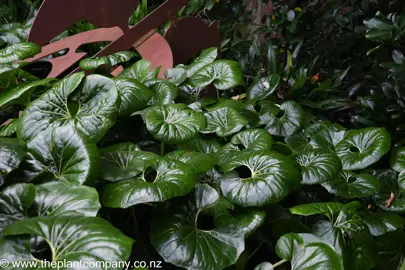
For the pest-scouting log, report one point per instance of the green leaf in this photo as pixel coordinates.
(327, 139)
(140, 71)
(306, 251)
(176, 75)
(162, 180)
(391, 250)
(206, 57)
(361, 148)
(397, 159)
(330, 209)
(179, 238)
(70, 239)
(250, 219)
(260, 178)
(318, 166)
(66, 199)
(21, 94)
(15, 201)
(124, 161)
(19, 51)
(207, 146)
(379, 29)
(380, 223)
(253, 139)
(290, 121)
(12, 152)
(264, 266)
(272, 60)
(63, 154)
(224, 122)
(106, 61)
(10, 128)
(164, 92)
(351, 185)
(390, 197)
(199, 161)
(263, 88)
(133, 94)
(91, 107)
(224, 74)
(174, 123)
(360, 252)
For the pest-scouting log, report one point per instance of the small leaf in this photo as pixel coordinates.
(289, 122)
(224, 122)
(140, 71)
(133, 94)
(206, 57)
(164, 92)
(397, 159)
(176, 75)
(253, 139)
(12, 152)
(199, 161)
(9, 129)
(106, 61)
(263, 88)
(250, 220)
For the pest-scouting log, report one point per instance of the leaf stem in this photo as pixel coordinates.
(279, 263)
(218, 96)
(162, 149)
(136, 226)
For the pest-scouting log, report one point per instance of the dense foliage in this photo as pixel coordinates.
(288, 155)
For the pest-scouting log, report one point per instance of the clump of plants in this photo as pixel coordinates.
(198, 170)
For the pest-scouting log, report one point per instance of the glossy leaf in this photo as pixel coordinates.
(289, 122)
(253, 139)
(83, 237)
(174, 123)
(133, 94)
(224, 74)
(206, 57)
(265, 177)
(330, 209)
(390, 197)
(180, 240)
(10, 128)
(263, 88)
(318, 166)
(250, 219)
(12, 152)
(380, 223)
(106, 61)
(207, 146)
(361, 148)
(199, 161)
(164, 92)
(391, 250)
(91, 107)
(397, 160)
(140, 71)
(224, 122)
(64, 154)
(176, 75)
(19, 51)
(306, 251)
(172, 179)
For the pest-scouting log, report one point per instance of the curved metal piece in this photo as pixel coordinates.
(55, 16)
(189, 36)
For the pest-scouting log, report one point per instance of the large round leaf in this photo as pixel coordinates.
(19, 51)
(123, 161)
(70, 239)
(361, 148)
(224, 74)
(397, 159)
(253, 139)
(180, 240)
(15, 201)
(287, 120)
(306, 251)
(140, 71)
(263, 88)
(224, 122)
(21, 94)
(174, 123)
(66, 199)
(318, 166)
(12, 152)
(327, 139)
(91, 107)
(172, 179)
(63, 154)
(200, 162)
(134, 95)
(264, 178)
(106, 61)
(352, 185)
(164, 92)
(206, 57)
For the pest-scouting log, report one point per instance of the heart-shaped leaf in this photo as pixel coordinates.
(124, 161)
(133, 94)
(397, 159)
(176, 75)
(164, 92)
(224, 74)
(306, 251)
(180, 238)
(21, 94)
(263, 88)
(92, 108)
(12, 152)
(174, 123)
(162, 180)
(327, 139)
(262, 178)
(361, 148)
(70, 239)
(286, 120)
(62, 154)
(250, 219)
(224, 121)
(318, 166)
(352, 185)
(106, 61)
(19, 51)
(253, 139)
(140, 71)
(199, 161)
(206, 57)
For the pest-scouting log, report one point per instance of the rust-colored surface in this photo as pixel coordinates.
(189, 36)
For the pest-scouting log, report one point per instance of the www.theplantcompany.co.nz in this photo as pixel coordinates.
(64, 264)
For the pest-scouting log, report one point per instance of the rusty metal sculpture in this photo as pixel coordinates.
(185, 37)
